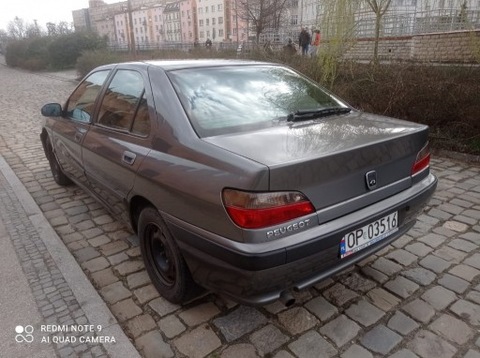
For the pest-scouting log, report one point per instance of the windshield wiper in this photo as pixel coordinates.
(303, 115)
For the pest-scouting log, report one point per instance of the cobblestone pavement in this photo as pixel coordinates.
(419, 296)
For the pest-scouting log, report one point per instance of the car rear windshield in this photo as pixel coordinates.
(232, 99)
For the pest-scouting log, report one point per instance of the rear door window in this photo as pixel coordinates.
(124, 106)
(81, 103)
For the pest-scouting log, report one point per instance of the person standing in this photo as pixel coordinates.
(315, 43)
(208, 44)
(304, 41)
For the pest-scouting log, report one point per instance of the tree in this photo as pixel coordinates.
(337, 26)
(261, 14)
(462, 16)
(33, 30)
(51, 29)
(3, 40)
(63, 28)
(17, 28)
(379, 7)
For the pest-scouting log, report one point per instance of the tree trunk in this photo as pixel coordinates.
(378, 21)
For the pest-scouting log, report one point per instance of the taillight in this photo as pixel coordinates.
(251, 210)
(422, 161)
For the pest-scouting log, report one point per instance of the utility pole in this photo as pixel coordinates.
(132, 35)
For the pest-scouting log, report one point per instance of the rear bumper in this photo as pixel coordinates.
(260, 277)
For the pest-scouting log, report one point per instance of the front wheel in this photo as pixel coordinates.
(57, 173)
(163, 260)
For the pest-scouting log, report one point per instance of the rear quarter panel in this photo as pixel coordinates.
(183, 176)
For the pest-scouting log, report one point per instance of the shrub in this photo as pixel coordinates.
(91, 59)
(65, 50)
(15, 53)
(447, 98)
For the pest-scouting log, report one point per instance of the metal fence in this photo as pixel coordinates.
(402, 23)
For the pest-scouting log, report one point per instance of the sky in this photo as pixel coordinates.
(42, 10)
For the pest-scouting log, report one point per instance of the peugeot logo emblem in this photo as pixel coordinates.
(371, 179)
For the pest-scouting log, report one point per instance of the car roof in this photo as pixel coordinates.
(170, 65)
(183, 64)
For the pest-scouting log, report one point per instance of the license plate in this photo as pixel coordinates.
(363, 237)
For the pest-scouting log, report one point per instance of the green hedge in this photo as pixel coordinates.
(51, 52)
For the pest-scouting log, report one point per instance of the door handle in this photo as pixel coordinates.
(129, 157)
(78, 136)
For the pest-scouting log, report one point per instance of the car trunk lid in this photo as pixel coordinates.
(332, 160)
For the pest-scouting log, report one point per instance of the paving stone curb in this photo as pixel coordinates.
(67, 280)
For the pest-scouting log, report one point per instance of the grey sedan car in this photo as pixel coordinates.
(244, 178)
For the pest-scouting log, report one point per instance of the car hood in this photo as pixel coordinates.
(300, 141)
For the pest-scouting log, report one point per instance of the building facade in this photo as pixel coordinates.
(157, 22)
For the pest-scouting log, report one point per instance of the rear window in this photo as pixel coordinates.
(236, 99)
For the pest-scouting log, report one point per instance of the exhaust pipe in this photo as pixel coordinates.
(287, 299)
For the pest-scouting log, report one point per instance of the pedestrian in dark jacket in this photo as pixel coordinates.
(304, 41)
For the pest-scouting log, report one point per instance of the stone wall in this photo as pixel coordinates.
(458, 46)
(451, 47)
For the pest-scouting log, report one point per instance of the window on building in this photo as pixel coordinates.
(294, 20)
(220, 20)
(213, 21)
(213, 8)
(220, 7)
(206, 9)
(207, 22)
(201, 22)
(220, 33)
(202, 34)
(200, 10)
(208, 33)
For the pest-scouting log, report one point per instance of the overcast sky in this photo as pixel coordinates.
(41, 10)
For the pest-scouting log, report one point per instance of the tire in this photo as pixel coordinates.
(163, 260)
(57, 173)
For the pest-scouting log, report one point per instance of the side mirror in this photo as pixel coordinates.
(52, 110)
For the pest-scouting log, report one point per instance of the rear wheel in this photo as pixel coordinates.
(163, 260)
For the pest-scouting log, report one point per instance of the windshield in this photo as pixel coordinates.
(232, 99)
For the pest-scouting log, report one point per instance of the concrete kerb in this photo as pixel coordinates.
(91, 303)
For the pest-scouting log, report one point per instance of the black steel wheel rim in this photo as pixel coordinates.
(161, 255)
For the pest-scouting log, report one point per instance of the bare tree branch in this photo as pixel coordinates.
(261, 14)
